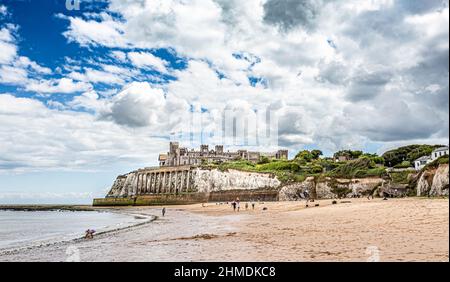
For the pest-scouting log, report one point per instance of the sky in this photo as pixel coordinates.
(92, 91)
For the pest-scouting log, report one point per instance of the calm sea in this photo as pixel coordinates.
(26, 228)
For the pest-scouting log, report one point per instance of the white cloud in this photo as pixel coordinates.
(141, 105)
(107, 32)
(97, 76)
(8, 50)
(25, 62)
(66, 140)
(147, 60)
(13, 75)
(63, 85)
(382, 79)
(119, 55)
(3, 10)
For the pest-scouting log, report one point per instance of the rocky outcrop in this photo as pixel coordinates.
(434, 182)
(328, 188)
(297, 191)
(216, 180)
(124, 186)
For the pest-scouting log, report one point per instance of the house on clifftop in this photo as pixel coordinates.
(421, 162)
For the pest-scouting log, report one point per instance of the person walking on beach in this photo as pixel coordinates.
(246, 206)
(164, 212)
(253, 205)
(238, 206)
(234, 206)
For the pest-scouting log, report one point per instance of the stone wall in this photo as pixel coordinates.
(154, 200)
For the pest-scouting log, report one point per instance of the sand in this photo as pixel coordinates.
(413, 229)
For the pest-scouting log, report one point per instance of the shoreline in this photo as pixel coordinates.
(32, 208)
(411, 229)
(65, 208)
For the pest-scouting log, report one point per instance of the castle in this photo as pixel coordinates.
(178, 156)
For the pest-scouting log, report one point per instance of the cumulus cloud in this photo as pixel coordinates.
(340, 75)
(63, 85)
(289, 14)
(15, 69)
(147, 60)
(66, 140)
(141, 105)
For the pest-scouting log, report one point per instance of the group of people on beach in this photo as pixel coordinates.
(236, 204)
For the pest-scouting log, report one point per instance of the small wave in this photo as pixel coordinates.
(68, 238)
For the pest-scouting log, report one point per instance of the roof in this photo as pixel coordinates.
(162, 157)
(441, 149)
(424, 158)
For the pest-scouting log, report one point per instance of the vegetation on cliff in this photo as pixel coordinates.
(309, 163)
(437, 162)
(406, 155)
(359, 168)
(355, 164)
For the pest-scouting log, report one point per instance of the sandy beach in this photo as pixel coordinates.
(413, 229)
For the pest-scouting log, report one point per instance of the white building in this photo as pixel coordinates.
(443, 151)
(422, 162)
(436, 154)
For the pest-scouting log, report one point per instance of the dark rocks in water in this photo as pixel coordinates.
(317, 205)
(346, 202)
(265, 209)
(334, 203)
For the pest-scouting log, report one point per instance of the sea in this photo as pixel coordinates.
(20, 229)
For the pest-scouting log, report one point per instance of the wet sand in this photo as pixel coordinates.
(412, 229)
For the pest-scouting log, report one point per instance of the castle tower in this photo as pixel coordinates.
(219, 150)
(204, 149)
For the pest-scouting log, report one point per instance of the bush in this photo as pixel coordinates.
(264, 160)
(400, 177)
(404, 164)
(317, 169)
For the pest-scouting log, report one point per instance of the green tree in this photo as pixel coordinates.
(305, 155)
(316, 154)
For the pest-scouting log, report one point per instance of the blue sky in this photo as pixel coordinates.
(88, 94)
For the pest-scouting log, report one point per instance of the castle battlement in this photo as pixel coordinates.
(180, 156)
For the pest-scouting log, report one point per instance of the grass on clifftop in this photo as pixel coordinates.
(305, 165)
(359, 168)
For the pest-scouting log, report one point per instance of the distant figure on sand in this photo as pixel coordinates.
(253, 206)
(246, 206)
(164, 212)
(234, 204)
(307, 197)
(238, 206)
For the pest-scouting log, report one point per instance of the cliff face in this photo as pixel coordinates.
(215, 180)
(434, 182)
(329, 188)
(202, 181)
(431, 182)
(124, 186)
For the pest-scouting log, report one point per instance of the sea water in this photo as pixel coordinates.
(29, 228)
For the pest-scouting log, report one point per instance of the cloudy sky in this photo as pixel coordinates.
(91, 93)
